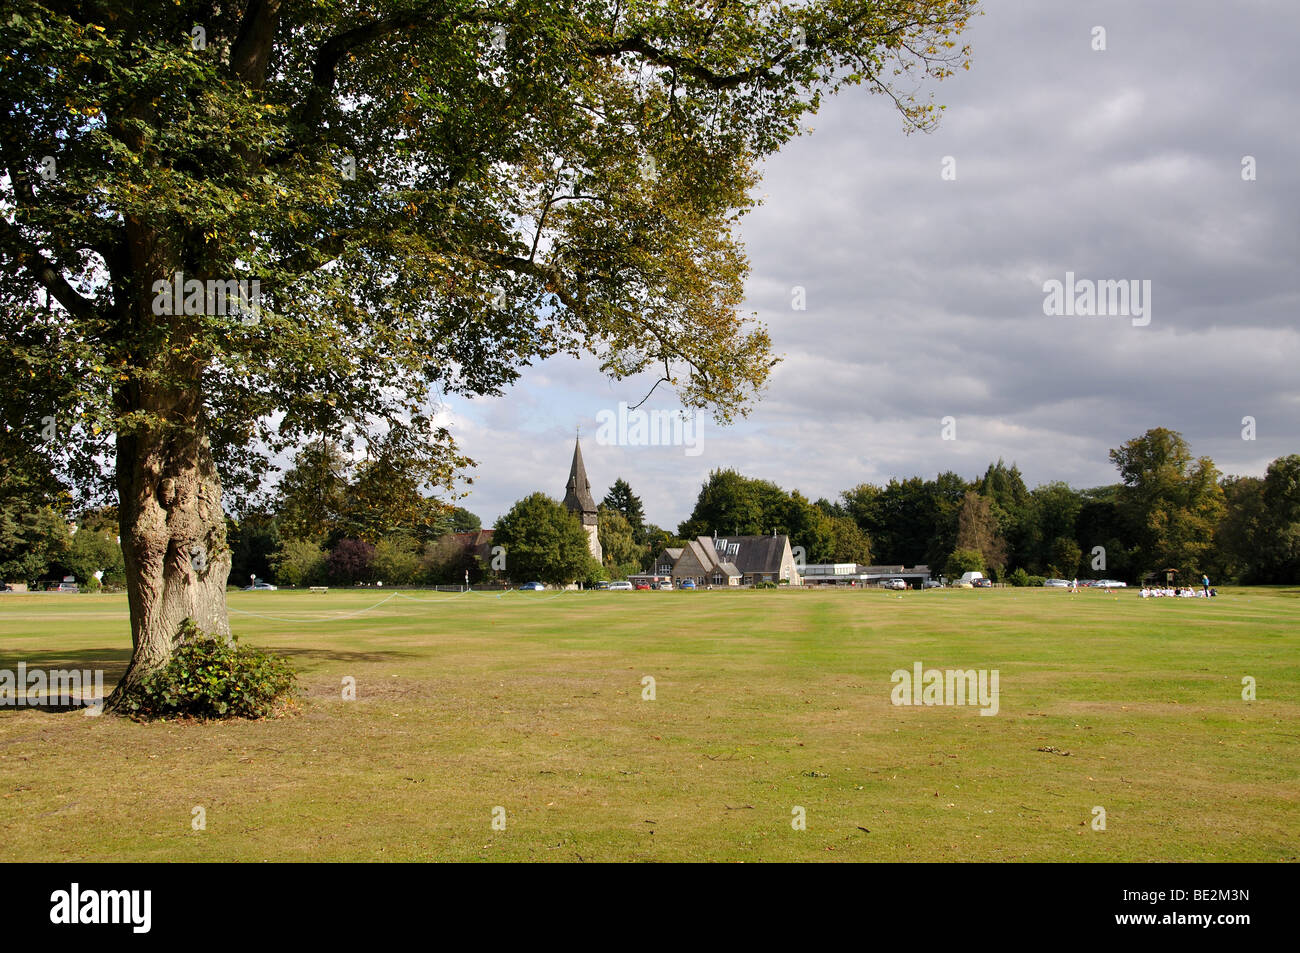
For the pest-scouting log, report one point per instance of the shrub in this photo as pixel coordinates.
(300, 562)
(351, 562)
(1018, 577)
(210, 677)
(396, 560)
(963, 561)
(765, 585)
(1036, 581)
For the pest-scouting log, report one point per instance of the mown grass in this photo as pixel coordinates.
(764, 701)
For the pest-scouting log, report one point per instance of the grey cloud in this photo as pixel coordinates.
(925, 296)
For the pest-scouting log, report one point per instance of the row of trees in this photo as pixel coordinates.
(38, 544)
(336, 521)
(1169, 510)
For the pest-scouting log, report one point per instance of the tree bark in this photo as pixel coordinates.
(173, 533)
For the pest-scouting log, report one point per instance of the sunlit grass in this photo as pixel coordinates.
(765, 701)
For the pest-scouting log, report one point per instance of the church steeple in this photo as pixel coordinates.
(577, 495)
(578, 500)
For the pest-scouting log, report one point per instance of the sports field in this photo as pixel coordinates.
(764, 702)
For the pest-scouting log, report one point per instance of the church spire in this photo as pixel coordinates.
(577, 495)
(578, 500)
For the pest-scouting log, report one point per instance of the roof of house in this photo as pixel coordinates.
(479, 540)
(751, 553)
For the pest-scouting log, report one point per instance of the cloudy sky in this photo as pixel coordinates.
(924, 295)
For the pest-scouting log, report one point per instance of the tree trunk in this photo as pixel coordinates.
(173, 532)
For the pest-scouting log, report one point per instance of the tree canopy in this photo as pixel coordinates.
(543, 542)
(228, 228)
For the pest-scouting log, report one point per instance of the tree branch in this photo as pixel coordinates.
(46, 272)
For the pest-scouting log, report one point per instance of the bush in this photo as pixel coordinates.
(1018, 577)
(351, 562)
(209, 677)
(396, 560)
(1036, 581)
(300, 562)
(765, 585)
(963, 561)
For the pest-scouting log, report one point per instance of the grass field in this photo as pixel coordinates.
(765, 701)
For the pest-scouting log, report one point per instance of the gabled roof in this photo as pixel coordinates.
(752, 553)
(703, 552)
(479, 540)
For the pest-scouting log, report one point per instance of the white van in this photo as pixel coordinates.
(967, 580)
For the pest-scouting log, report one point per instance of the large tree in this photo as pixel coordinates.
(618, 545)
(543, 542)
(1258, 539)
(431, 193)
(621, 498)
(1171, 501)
(312, 496)
(978, 531)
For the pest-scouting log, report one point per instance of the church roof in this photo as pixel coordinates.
(577, 492)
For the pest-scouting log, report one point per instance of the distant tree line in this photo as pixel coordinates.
(1168, 510)
(333, 520)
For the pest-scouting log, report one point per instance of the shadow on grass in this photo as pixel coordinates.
(334, 655)
(112, 660)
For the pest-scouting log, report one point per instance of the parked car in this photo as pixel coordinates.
(982, 583)
(621, 586)
(895, 584)
(261, 586)
(1110, 584)
(1056, 583)
(932, 584)
(687, 584)
(665, 586)
(66, 586)
(601, 584)
(531, 587)
(643, 585)
(5, 587)
(969, 579)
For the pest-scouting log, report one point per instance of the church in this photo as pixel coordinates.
(578, 501)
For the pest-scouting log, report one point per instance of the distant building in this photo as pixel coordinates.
(477, 543)
(734, 561)
(846, 574)
(578, 500)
